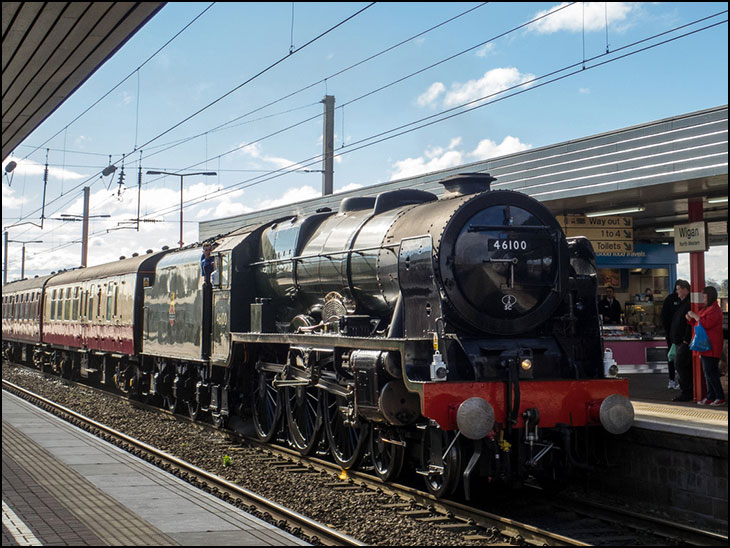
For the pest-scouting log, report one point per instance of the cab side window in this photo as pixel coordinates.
(225, 260)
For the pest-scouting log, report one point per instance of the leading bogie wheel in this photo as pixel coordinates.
(388, 452)
(440, 461)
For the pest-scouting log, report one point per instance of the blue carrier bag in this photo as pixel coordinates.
(700, 341)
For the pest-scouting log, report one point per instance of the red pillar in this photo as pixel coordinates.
(697, 284)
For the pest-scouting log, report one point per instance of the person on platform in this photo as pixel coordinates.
(680, 334)
(669, 308)
(711, 319)
(609, 308)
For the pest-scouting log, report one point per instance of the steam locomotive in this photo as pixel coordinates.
(459, 331)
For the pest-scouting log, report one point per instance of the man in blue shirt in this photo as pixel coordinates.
(207, 263)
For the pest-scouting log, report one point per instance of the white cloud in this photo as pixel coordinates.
(493, 82)
(10, 200)
(439, 158)
(433, 159)
(224, 208)
(485, 50)
(592, 16)
(584, 91)
(489, 149)
(431, 94)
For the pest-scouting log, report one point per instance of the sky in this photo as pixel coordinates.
(239, 92)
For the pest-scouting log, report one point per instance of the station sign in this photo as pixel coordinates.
(690, 237)
(602, 234)
(609, 235)
(609, 221)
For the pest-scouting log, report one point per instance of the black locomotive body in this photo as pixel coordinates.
(461, 331)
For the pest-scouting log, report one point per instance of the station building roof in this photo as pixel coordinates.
(658, 165)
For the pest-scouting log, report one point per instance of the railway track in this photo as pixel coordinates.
(283, 517)
(566, 522)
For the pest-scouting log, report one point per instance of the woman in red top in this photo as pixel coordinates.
(711, 319)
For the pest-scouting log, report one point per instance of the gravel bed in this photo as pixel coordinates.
(358, 516)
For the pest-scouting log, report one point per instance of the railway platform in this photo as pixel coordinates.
(656, 411)
(63, 486)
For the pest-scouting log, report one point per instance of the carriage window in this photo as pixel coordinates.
(109, 301)
(53, 305)
(91, 303)
(75, 305)
(67, 305)
(98, 303)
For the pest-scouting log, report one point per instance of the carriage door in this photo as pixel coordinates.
(221, 337)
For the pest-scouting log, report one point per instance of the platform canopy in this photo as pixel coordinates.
(51, 48)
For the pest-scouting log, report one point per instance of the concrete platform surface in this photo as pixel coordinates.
(655, 409)
(63, 486)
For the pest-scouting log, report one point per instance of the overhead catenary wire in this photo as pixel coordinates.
(236, 88)
(232, 123)
(386, 86)
(450, 110)
(258, 74)
(449, 113)
(229, 124)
